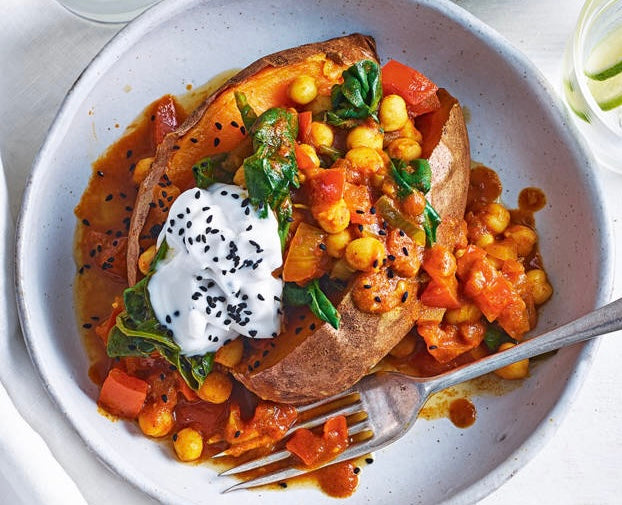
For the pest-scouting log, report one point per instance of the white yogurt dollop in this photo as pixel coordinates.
(216, 280)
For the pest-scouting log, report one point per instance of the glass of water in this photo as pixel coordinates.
(592, 79)
(108, 11)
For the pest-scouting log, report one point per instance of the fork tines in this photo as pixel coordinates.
(346, 404)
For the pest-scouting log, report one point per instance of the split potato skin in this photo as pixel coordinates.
(310, 359)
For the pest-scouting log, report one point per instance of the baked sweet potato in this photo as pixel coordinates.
(310, 359)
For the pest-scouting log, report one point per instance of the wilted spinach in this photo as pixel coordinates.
(313, 296)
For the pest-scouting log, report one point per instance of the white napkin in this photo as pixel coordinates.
(29, 473)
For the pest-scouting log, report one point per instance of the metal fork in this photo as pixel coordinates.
(392, 401)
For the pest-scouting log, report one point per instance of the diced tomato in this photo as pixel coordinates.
(165, 118)
(358, 200)
(122, 394)
(314, 449)
(441, 292)
(418, 91)
(326, 187)
(305, 119)
(438, 261)
(103, 329)
(443, 341)
(303, 160)
(305, 260)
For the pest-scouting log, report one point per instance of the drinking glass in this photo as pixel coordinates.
(592, 79)
(107, 11)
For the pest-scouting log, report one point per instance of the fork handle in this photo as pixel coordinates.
(598, 322)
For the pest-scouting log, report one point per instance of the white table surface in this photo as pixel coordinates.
(43, 50)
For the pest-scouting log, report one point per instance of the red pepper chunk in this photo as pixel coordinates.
(326, 187)
(414, 87)
(165, 120)
(314, 449)
(122, 394)
(305, 119)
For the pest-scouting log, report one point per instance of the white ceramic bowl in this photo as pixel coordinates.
(516, 125)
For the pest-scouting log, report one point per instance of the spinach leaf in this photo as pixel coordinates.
(159, 255)
(272, 169)
(246, 111)
(419, 176)
(495, 336)
(412, 176)
(216, 168)
(284, 217)
(358, 96)
(313, 296)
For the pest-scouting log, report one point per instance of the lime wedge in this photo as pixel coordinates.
(605, 60)
(575, 101)
(608, 93)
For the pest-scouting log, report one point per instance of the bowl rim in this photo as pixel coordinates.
(151, 18)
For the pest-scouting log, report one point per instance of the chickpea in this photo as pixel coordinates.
(404, 347)
(414, 204)
(502, 250)
(336, 243)
(366, 254)
(365, 160)
(303, 89)
(321, 134)
(540, 287)
(404, 149)
(514, 371)
(409, 131)
(230, 354)
(145, 259)
(155, 420)
(239, 178)
(188, 444)
(366, 135)
(142, 168)
(467, 313)
(524, 237)
(393, 114)
(216, 388)
(495, 217)
(335, 218)
(484, 240)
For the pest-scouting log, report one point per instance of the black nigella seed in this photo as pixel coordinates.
(289, 219)
(176, 147)
(312, 326)
(432, 347)
(175, 437)
(391, 257)
(405, 251)
(377, 299)
(234, 124)
(256, 364)
(176, 313)
(402, 233)
(100, 173)
(168, 319)
(128, 154)
(252, 333)
(197, 195)
(216, 142)
(297, 330)
(86, 222)
(235, 196)
(283, 484)
(108, 198)
(322, 246)
(356, 470)
(369, 461)
(237, 434)
(375, 263)
(164, 398)
(218, 125)
(360, 227)
(193, 140)
(87, 325)
(260, 296)
(372, 210)
(359, 211)
(405, 297)
(382, 232)
(223, 193)
(243, 130)
(367, 286)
